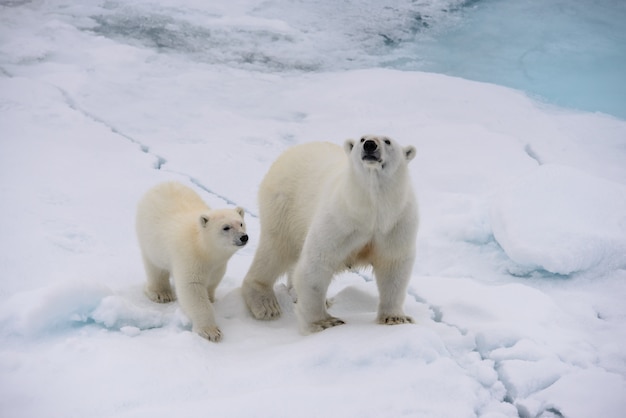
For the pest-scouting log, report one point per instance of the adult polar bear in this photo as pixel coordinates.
(323, 210)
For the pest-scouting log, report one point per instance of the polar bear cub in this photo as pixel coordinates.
(180, 235)
(324, 209)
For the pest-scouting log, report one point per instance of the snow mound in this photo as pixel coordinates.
(74, 303)
(583, 393)
(562, 220)
(116, 312)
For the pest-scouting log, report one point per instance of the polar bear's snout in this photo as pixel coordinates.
(370, 145)
(371, 150)
(242, 240)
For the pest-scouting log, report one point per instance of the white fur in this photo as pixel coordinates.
(323, 210)
(180, 235)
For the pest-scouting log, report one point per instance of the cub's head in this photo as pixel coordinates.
(224, 228)
(378, 153)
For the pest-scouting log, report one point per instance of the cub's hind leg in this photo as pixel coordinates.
(158, 287)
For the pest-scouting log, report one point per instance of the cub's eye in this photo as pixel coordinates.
(241, 225)
(226, 228)
(388, 142)
(362, 140)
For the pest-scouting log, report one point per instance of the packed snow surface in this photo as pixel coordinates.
(520, 280)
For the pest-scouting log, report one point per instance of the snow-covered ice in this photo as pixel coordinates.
(519, 285)
(551, 220)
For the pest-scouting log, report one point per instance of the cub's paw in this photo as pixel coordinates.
(262, 303)
(160, 296)
(323, 324)
(211, 333)
(395, 319)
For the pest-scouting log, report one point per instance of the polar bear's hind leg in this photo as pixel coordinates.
(157, 288)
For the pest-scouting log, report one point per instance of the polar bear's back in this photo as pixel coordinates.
(167, 199)
(292, 188)
(167, 213)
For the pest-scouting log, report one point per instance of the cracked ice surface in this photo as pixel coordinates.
(519, 283)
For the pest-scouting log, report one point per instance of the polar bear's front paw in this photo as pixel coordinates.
(211, 333)
(266, 308)
(160, 296)
(395, 319)
(323, 324)
(262, 304)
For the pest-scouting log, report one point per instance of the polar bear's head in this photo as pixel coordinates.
(378, 153)
(224, 228)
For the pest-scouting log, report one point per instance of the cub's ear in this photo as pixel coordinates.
(409, 152)
(203, 220)
(348, 145)
(240, 211)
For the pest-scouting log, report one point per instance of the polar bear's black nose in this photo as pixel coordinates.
(244, 238)
(370, 145)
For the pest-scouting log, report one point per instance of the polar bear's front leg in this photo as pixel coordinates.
(258, 285)
(311, 281)
(194, 301)
(261, 300)
(392, 278)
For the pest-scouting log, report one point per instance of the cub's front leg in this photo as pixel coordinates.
(193, 297)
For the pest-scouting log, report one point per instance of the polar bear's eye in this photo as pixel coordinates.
(362, 140)
(226, 228)
(388, 142)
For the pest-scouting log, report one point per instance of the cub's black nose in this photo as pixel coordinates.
(244, 238)
(370, 146)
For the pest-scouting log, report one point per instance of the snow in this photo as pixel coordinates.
(517, 290)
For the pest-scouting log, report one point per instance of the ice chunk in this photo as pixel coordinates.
(523, 378)
(116, 312)
(584, 393)
(72, 303)
(130, 331)
(51, 308)
(562, 220)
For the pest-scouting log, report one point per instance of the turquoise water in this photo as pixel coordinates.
(571, 53)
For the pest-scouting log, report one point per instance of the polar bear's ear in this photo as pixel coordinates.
(348, 145)
(409, 152)
(240, 211)
(204, 220)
